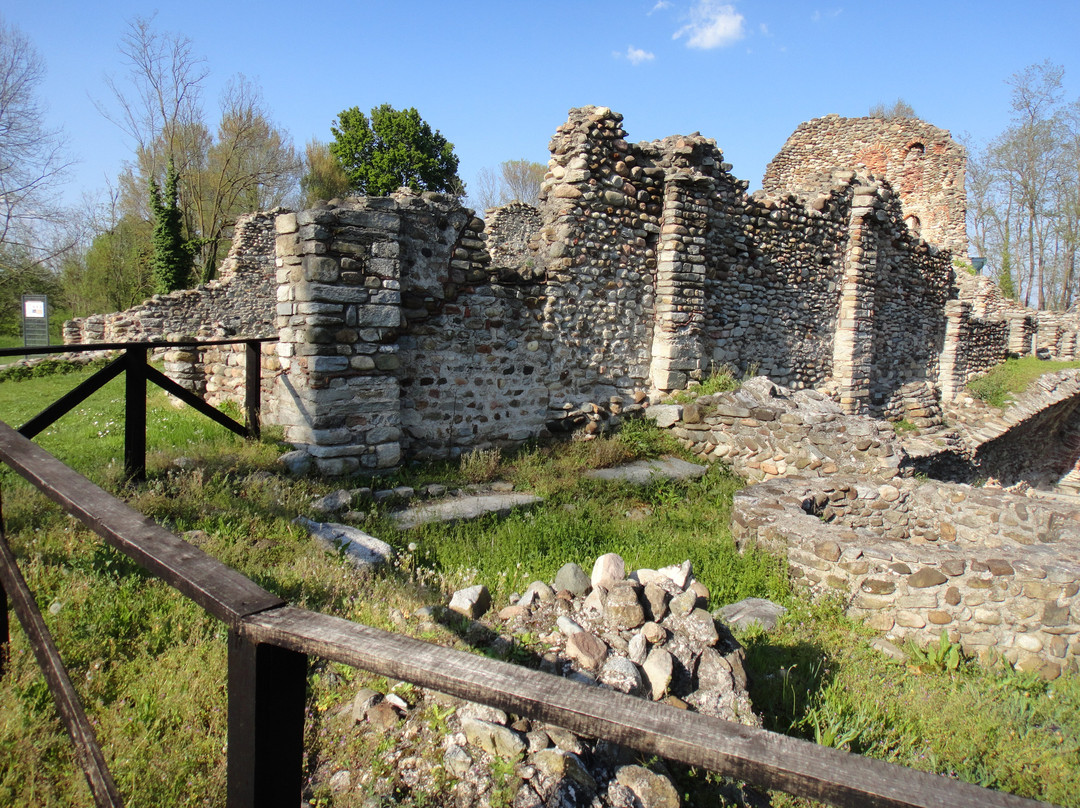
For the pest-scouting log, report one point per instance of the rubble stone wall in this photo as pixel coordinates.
(644, 266)
(997, 572)
(763, 431)
(239, 301)
(407, 330)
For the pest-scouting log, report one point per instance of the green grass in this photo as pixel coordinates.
(721, 379)
(1002, 383)
(151, 668)
(817, 678)
(91, 436)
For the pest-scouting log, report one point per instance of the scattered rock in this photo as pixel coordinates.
(752, 611)
(607, 570)
(473, 601)
(463, 508)
(572, 578)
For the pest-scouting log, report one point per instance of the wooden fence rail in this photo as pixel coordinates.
(270, 641)
(133, 362)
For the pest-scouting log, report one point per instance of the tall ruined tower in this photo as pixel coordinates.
(922, 163)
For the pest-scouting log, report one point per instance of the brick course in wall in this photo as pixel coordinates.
(922, 164)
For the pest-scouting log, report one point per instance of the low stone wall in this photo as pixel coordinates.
(997, 572)
(1028, 440)
(764, 431)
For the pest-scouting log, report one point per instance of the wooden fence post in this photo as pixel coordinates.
(135, 413)
(267, 690)
(5, 632)
(252, 387)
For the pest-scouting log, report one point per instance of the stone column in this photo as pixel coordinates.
(952, 365)
(339, 311)
(1021, 330)
(854, 339)
(678, 344)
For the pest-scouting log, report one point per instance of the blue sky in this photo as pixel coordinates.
(496, 78)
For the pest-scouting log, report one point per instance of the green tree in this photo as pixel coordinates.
(246, 164)
(171, 260)
(21, 274)
(323, 176)
(113, 274)
(396, 148)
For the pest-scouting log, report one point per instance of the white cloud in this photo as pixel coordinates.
(764, 29)
(660, 6)
(637, 55)
(712, 25)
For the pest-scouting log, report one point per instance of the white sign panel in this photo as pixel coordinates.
(34, 308)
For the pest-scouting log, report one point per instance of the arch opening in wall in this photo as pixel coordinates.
(915, 148)
(913, 224)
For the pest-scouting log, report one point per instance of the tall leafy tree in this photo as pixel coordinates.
(516, 181)
(323, 176)
(170, 263)
(1023, 186)
(244, 164)
(394, 148)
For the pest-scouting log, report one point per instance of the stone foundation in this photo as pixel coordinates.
(998, 572)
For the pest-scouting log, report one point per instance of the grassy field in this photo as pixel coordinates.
(151, 668)
(1001, 384)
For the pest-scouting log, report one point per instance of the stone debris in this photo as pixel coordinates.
(749, 612)
(472, 602)
(643, 472)
(764, 431)
(674, 660)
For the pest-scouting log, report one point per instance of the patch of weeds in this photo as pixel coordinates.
(721, 379)
(480, 465)
(504, 781)
(991, 388)
(902, 426)
(645, 440)
(942, 656)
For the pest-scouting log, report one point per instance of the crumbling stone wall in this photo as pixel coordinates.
(407, 330)
(1048, 334)
(239, 301)
(644, 266)
(921, 163)
(763, 431)
(997, 572)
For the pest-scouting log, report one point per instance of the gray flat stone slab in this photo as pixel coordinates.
(360, 549)
(456, 510)
(643, 472)
(747, 612)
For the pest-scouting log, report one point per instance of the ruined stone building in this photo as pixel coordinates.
(408, 327)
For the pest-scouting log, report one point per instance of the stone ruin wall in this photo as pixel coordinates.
(239, 301)
(921, 163)
(404, 332)
(996, 572)
(645, 266)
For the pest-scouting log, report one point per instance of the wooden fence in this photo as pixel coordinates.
(270, 642)
(133, 362)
